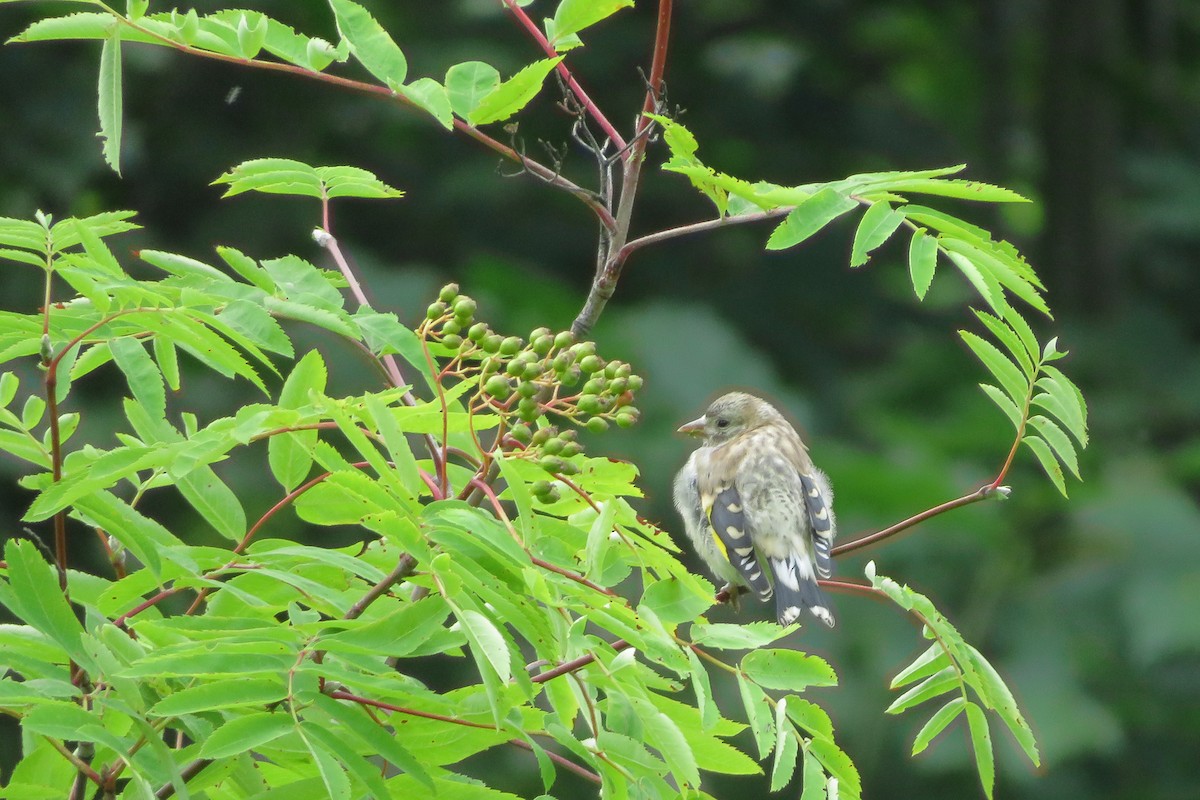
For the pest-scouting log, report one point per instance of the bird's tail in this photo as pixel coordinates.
(796, 589)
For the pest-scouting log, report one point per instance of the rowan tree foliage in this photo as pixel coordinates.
(257, 665)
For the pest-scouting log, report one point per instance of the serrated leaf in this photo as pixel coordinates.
(1005, 371)
(487, 638)
(142, 374)
(922, 261)
(941, 682)
(513, 94)
(984, 283)
(937, 723)
(370, 43)
(1063, 399)
(110, 100)
(981, 745)
(1049, 463)
(38, 598)
(758, 714)
(783, 767)
(468, 83)
(932, 660)
(229, 693)
(244, 734)
(289, 455)
(1006, 405)
(573, 16)
(787, 669)
(878, 223)
(808, 217)
(957, 188)
(814, 778)
(1058, 440)
(1011, 340)
(430, 95)
(726, 636)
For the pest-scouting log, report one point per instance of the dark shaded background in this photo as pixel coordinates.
(1089, 607)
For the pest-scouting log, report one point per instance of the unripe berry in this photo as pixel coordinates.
(589, 404)
(497, 387)
(542, 435)
(510, 346)
(491, 343)
(570, 449)
(452, 340)
(521, 433)
(572, 376)
(527, 388)
(552, 464)
(594, 386)
(564, 339)
(527, 409)
(451, 327)
(635, 383)
(584, 349)
(569, 435)
(464, 308)
(538, 333)
(477, 331)
(542, 344)
(448, 293)
(591, 364)
(597, 425)
(540, 488)
(435, 311)
(627, 416)
(553, 447)
(618, 385)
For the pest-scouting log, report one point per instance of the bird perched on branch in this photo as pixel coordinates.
(755, 507)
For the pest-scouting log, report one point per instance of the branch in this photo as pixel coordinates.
(536, 34)
(982, 493)
(576, 663)
(608, 271)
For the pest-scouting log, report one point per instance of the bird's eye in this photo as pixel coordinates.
(722, 423)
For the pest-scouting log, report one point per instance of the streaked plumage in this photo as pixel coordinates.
(756, 508)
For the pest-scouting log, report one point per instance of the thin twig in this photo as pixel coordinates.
(982, 493)
(576, 663)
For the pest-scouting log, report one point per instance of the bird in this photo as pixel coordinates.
(755, 507)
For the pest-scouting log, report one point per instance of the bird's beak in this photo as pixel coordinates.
(693, 428)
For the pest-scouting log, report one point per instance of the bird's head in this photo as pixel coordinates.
(729, 416)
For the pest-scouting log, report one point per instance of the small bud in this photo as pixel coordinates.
(322, 237)
(448, 293)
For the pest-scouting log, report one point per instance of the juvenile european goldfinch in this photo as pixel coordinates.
(756, 509)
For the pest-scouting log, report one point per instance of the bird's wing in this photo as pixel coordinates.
(727, 521)
(818, 499)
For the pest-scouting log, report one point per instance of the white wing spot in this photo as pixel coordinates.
(732, 532)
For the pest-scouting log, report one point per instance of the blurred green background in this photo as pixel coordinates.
(1089, 607)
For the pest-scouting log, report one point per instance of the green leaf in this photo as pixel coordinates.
(1005, 371)
(430, 95)
(932, 660)
(290, 454)
(758, 714)
(272, 176)
(1063, 399)
(332, 772)
(244, 734)
(1011, 340)
(960, 189)
(1058, 440)
(573, 16)
(838, 765)
(725, 636)
(995, 694)
(811, 717)
(878, 224)
(513, 94)
(981, 744)
(787, 669)
(809, 217)
(110, 99)
(142, 374)
(342, 181)
(1049, 463)
(984, 283)
(941, 682)
(814, 778)
(377, 738)
(221, 694)
(673, 601)
(38, 598)
(487, 639)
(937, 723)
(709, 713)
(144, 537)
(370, 43)
(1007, 406)
(468, 83)
(783, 767)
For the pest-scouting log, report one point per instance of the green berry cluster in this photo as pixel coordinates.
(526, 379)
